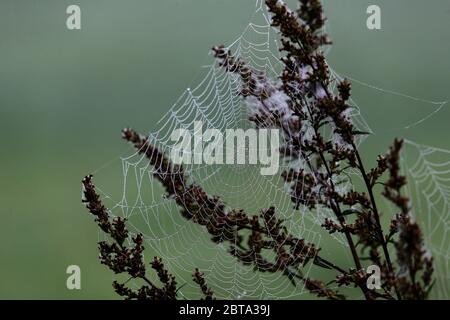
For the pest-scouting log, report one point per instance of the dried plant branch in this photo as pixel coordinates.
(200, 280)
(305, 109)
(318, 131)
(120, 258)
(412, 256)
(231, 225)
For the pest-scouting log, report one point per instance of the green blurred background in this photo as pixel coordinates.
(65, 96)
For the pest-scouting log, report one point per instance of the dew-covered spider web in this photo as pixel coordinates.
(429, 187)
(216, 102)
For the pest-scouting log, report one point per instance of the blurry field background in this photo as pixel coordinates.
(65, 96)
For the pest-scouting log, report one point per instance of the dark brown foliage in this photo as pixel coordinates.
(414, 262)
(128, 259)
(321, 290)
(200, 280)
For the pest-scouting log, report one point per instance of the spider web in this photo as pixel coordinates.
(429, 187)
(216, 102)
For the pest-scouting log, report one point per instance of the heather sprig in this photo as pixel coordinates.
(129, 259)
(199, 278)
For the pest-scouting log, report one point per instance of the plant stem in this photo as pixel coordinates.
(143, 277)
(325, 261)
(337, 211)
(376, 214)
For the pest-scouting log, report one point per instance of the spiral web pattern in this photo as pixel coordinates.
(429, 187)
(183, 245)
